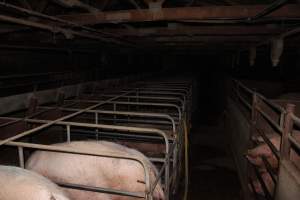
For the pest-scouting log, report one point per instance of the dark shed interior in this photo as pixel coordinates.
(219, 78)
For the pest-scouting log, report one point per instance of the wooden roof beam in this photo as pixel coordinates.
(182, 13)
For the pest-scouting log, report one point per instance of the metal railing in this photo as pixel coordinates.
(170, 113)
(265, 118)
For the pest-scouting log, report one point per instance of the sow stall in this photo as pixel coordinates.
(152, 117)
(251, 116)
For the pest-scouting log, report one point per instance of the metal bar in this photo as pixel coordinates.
(121, 135)
(49, 123)
(97, 122)
(270, 103)
(10, 123)
(270, 170)
(68, 133)
(106, 127)
(140, 91)
(270, 144)
(266, 11)
(150, 97)
(135, 103)
(287, 129)
(244, 101)
(21, 157)
(140, 114)
(170, 89)
(159, 175)
(55, 19)
(53, 29)
(269, 120)
(241, 85)
(132, 103)
(262, 183)
(101, 190)
(294, 142)
(145, 91)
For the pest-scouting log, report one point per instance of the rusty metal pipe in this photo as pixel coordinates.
(53, 29)
(55, 19)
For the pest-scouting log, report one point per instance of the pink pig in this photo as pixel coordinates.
(20, 184)
(102, 172)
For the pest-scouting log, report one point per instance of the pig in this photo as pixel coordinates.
(103, 172)
(20, 184)
(254, 155)
(149, 149)
(268, 182)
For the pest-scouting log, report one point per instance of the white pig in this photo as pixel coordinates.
(20, 184)
(94, 171)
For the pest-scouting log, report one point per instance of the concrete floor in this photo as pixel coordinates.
(212, 171)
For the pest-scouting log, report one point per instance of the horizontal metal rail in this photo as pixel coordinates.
(139, 114)
(269, 120)
(131, 103)
(49, 123)
(162, 89)
(145, 91)
(101, 190)
(151, 98)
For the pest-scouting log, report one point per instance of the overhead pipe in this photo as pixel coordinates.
(76, 3)
(271, 8)
(55, 19)
(54, 29)
(41, 48)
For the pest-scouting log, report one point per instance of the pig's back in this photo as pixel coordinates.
(20, 184)
(90, 170)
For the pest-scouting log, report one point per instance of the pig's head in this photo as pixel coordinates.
(255, 158)
(263, 150)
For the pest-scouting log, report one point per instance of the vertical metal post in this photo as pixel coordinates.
(96, 122)
(281, 120)
(254, 115)
(32, 107)
(115, 109)
(287, 129)
(21, 157)
(128, 109)
(167, 173)
(68, 133)
(60, 98)
(137, 98)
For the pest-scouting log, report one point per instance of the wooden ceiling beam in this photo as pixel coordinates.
(182, 13)
(199, 30)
